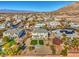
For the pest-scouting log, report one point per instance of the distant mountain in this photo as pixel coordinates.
(14, 11)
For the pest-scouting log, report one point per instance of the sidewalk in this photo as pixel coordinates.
(73, 55)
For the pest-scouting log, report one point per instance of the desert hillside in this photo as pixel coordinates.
(70, 12)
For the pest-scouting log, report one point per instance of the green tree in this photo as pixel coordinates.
(6, 39)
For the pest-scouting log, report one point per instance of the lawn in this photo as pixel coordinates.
(41, 42)
(11, 42)
(34, 42)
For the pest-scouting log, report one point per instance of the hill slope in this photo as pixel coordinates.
(72, 9)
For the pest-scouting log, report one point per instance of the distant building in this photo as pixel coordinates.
(7, 18)
(8, 23)
(53, 24)
(2, 26)
(74, 25)
(38, 25)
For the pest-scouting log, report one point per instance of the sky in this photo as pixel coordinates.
(42, 6)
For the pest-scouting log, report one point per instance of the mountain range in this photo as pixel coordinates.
(15, 11)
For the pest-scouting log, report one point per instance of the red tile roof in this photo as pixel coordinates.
(57, 41)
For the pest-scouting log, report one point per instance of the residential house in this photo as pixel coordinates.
(7, 18)
(17, 33)
(17, 18)
(53, 24)
(2, 26)
(57, 32)
(74, 25)
(38, 25)
(8, 23)
(39, 33)
(68, 32)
